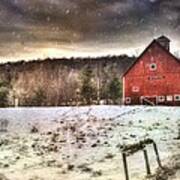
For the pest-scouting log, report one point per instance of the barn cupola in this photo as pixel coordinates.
(165, 42)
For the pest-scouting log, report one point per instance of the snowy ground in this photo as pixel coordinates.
(83, 143)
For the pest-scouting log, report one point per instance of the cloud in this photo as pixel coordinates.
(57, 22)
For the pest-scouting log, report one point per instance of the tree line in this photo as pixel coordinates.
(90, 90)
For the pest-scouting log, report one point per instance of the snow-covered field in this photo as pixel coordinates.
(83, 143)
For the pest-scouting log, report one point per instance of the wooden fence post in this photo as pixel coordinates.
(125, 165)
(148, 170)
(157, 155)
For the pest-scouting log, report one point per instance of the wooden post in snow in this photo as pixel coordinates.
(148, 170)
(157, 154)
(125, 165)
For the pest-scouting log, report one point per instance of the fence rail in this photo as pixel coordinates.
(141, 146)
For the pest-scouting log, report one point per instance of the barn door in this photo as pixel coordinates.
(152, 101)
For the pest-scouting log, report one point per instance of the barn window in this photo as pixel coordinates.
(128, 100)
(177, 97)
(135, 89)
(161, 98)
(169, 98)
(153, 66)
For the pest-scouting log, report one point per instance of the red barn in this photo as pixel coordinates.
(154, 78)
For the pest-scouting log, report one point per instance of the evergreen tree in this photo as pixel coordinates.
(4, 93)
(39, 98)
(115, 89)
(88, 90)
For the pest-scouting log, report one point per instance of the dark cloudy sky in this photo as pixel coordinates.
(39, 28)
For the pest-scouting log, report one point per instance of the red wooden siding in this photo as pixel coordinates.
(158, 85)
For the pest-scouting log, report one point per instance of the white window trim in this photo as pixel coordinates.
(177, 97)
(161, 98)
(169, 98)
(153, 64)
(128, 100)
(135, 89)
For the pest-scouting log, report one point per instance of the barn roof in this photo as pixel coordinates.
(155, 41)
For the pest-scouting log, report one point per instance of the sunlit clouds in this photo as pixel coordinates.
(37, 29)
